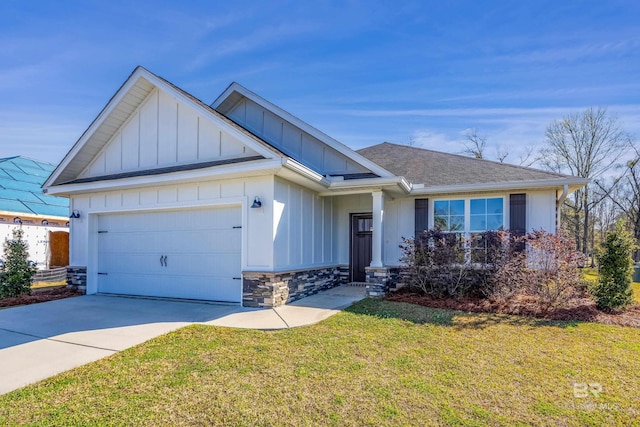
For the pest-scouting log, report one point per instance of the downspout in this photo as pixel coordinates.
(559, 201)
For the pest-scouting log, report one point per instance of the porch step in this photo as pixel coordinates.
(358, 284)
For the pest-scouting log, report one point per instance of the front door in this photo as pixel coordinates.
(361, 238)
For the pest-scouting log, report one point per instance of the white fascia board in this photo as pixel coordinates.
(372, 182)
(308, 173)
(71, 154)
(573, 183)
(394, 184)
(331, 142)
(256, 168)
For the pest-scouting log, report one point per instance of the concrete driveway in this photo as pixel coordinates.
(41, 340)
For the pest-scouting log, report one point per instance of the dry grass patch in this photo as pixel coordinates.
(379, 363)
(40, 285)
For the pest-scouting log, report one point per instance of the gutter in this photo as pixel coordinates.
(546, 183)
(301, 169)
(559, 201)
(367, 185)
(254, 168)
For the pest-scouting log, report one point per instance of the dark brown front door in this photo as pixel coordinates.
(361, 231)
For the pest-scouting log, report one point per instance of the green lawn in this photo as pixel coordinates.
(379, 363)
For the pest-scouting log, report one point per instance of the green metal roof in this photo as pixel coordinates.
(20, 188)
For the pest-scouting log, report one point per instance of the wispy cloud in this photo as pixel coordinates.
(256, 39)
(578, 52)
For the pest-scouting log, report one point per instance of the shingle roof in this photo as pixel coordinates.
(435, 168)
(20, 192)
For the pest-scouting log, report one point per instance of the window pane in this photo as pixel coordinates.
(494, 222)
(478, 222)
(456, 207)
(365, 224)
(495, 206)
(440, 222)
(456, 223)
(441, 207)
(478, 206)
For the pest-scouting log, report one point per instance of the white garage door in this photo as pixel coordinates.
(191, 254)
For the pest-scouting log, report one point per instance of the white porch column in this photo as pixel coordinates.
(378, 228)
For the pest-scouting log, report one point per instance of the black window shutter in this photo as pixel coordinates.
(518, 214)
(422, 216)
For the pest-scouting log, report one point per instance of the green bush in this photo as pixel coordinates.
(613, 289)
(16, 273)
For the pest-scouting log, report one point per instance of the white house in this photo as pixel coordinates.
(240, 201)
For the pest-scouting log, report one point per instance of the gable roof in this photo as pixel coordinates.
(235, 92)
(435, 168)
(20, 192)
(120, 107)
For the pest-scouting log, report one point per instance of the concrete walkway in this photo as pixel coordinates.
(41, 340)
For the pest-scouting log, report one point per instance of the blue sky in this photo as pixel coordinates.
(363, 72)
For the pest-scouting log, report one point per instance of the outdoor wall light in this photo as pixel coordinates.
(75, 214)
(17, 220)
(256, 203)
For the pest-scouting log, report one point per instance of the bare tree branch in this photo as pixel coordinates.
(476, 144)
(586, 145)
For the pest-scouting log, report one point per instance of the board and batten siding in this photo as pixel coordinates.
(291, 140)
(541, 211)
(203, 194)
(302, 227)
(163, 132)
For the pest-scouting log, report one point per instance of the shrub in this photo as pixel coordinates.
(506, 265)
(16, 272)
(553, 274)
(613, 288)
(443, 264)
(436, 264)
(494, 264)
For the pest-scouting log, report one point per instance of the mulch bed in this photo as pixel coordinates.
(578, 309)
(40, 295)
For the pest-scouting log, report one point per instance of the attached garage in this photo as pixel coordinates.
(192, 254)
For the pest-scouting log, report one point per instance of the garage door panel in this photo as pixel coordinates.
(168, 286)
(208, 240)
(180, 254)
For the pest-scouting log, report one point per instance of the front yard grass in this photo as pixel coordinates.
(378, 363)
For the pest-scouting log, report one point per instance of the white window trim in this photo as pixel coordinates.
(467, 211)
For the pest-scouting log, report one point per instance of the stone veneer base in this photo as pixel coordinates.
(269, 289)
(381, 280)
(77, 278)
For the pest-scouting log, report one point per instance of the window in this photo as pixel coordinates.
(469, 219)
(448, 215)
(486, 214)
(482, 215)
(365, 224)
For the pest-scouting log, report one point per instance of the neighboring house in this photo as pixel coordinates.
(22, 204)
(242, 202)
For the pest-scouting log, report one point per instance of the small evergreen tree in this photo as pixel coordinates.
(16, 273)
(613, 289)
